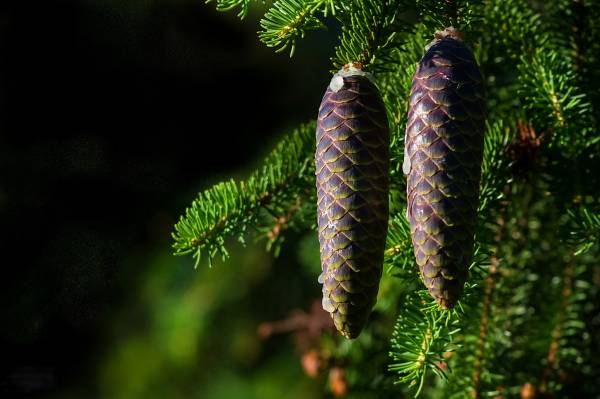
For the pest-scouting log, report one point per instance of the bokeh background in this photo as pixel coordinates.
(113, 115)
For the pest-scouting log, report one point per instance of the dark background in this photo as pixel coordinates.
(113, 115)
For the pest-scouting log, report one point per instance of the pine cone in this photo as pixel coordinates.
(443, 156)
(352, 188)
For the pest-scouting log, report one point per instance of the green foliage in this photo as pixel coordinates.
(494, 176)
(228, 5)
(229, 209)
(461, 14)
(395, 84)
(288, 20)
(586, 233)
(553, 101)
(528, 310)
(421, 338)
(399, 249)
(371, 30)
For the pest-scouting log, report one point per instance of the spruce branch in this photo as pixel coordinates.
(371, 30)
(553, 100)
(275, 233)
(568, 342)
(228, 5)
(494, 176)
(421, 337)
(288, 20)
(395, 87)
(518, 28)
(424, 334)
(451, 10)
(483, 329)
(398, 255)
(578, 27)
(553, 348)
(230, 208)
(464, 15)
(486, 317)
(586, 232)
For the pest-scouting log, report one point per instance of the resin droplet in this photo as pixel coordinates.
(406, 164)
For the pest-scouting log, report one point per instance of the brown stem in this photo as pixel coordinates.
(483, 328)
(451, 10)
(552, 356)
(490, 283)
(313, 322)
(281, 222)
(578, 9)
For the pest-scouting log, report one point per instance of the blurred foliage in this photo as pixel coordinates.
(194, 333)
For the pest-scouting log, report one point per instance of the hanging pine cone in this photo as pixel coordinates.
(443, 155)
(352, 189)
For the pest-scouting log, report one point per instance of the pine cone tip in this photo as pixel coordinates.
(350, 69)
(448, 33)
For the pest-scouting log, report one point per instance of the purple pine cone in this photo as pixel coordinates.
(352, 159)
(443, 156)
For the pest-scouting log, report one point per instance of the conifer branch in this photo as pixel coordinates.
(521, 36)
(275, 232)
(228, 5)
(483, 329)
(371, 30)
(398, 254)
(494, 176)
(230, 208)
(577, 27)
(568, 346)
(424, 334)
(463, 15)
(553, 348)
(395, 87)
(288, 20)
(451, 10)
(484, 319)
(587, 229)
(421, 338)
(549, 87)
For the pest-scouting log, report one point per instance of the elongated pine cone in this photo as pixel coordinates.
(352, 160)
(442, 160)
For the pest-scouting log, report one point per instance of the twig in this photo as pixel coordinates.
(566, 292)
(578, 9)
(281, 222)
(490, 283)
(451, 11)
(306, 327)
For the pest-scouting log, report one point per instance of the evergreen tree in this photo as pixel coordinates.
(527, 322)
